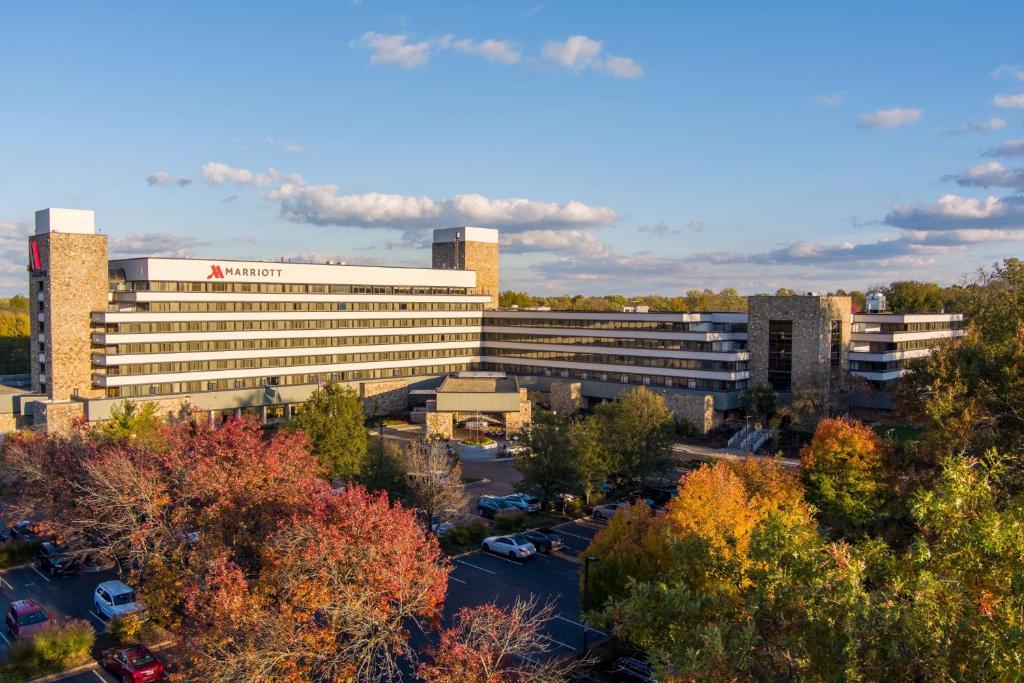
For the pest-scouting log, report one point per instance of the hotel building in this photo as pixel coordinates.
(226, 337)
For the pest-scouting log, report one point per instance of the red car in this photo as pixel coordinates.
(134, 664)
(26, 618)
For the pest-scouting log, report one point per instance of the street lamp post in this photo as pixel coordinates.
(586, 598)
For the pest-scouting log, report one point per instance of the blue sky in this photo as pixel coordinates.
(621, 147)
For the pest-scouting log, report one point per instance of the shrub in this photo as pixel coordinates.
(125, 628)
(17, 553)
(52, 651)
(482, 441)
(510, 520)
(574, 508)
(463, 537)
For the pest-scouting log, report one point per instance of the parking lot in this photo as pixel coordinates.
(480, 577)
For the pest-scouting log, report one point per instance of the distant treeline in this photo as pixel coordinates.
(14, 336)
(910, 296)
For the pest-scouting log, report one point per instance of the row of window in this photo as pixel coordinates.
(620, 377)
(283, 362)
(169, 388)
(913, 345)
(289, 306)
(289, 343)
(876, 366)
(647, 325)
(272, 325)
(611, 359)
(619, 342)
(937, 326)
(280, 288)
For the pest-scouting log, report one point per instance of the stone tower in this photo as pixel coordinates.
(469, 248)
(67, 282)
(799, 342)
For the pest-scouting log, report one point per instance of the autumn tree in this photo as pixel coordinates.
(334, 422)
(491, 645)
(841, 469)
(342, 583)
(637, 429)
(434, 481)
(634, 546)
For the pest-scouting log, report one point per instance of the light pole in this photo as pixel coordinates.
(586, 598)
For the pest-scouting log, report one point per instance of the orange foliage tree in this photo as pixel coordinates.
(842, 472)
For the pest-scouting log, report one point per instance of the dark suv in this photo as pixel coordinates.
(488, 506)
(54, 559)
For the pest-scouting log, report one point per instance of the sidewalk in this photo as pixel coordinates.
(691, 452)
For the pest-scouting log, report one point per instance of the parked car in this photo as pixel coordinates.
(26, 618)
(514, 546)
(25, 530)
(488, 506)
(134, 664)
(634, 670)
(524, 502)
(607, 511)
(52, 557)
(115, 598)
(544, 540)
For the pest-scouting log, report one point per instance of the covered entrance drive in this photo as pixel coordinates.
(478, 401)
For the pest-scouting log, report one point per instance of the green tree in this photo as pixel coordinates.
(14, 336)
(994, 303)
(547, 464)
(334, 422)
(590, 456)
(913, 296)
(759, 400)
(508, 298)
(384, 469)
(637, 429)
(842, 471)
(131, 422)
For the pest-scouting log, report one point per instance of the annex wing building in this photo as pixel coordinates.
(223, 337)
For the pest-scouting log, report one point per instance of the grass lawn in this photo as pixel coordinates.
(471, 480)
(900, 434)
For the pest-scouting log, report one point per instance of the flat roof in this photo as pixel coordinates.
(479, 385)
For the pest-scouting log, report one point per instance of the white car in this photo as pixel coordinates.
(607, 511)
(512, 546)
(114, 599)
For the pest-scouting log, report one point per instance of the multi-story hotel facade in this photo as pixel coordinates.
(225, 337)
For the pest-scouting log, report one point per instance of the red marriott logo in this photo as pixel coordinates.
(215, 272)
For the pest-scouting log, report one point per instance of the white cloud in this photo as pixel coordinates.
(1009, 101)
(889, 118)
(953, 212)
(582, 52)
(831, 99)
(696, 225)
(395, 49)
(13, 256)
(328, 257)
(575, 241)
(152, 244)
(219, 174)
(165, 179)
(232, 197)
(1009, 70)
(322, 205)
(1010, 148)
(284, 144)
(989, 174)
(623, 67)
(493, 50)
(980, 127)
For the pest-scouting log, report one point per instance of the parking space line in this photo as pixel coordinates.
(97, 617)
(97, 675)
(468, 564)
(41, 574)
(582, 538)
(452, 578)
(504, 559)
(557, 642)
(576, 623)
(4, 582)
(5, 638)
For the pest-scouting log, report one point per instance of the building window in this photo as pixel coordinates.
(836, 343)
(780, 354)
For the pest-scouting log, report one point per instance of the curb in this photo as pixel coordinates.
(23, 565)
(484, 480)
